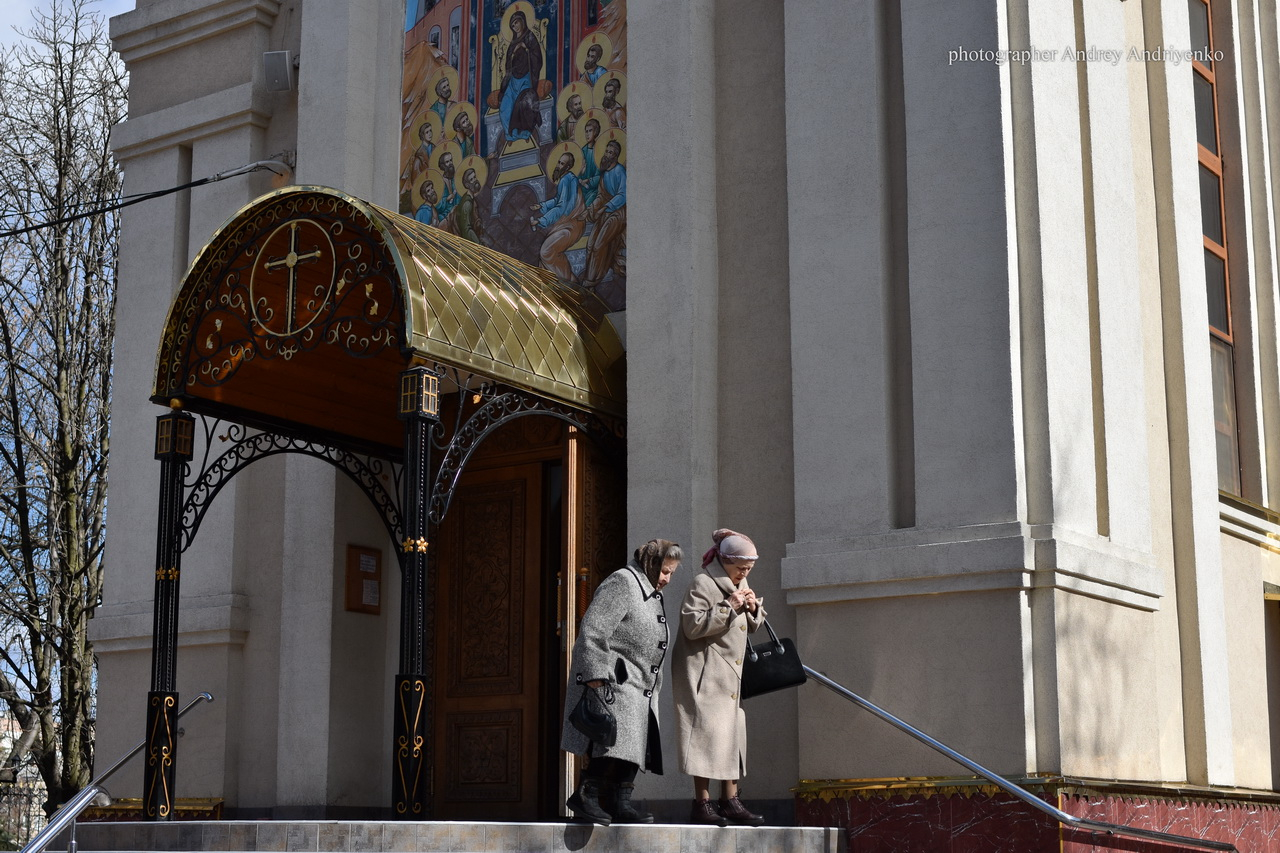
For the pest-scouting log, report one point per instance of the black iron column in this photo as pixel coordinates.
(419, 409)
(174, 432)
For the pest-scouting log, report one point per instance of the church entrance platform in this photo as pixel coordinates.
(447, 837)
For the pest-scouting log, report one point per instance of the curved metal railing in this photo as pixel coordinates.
(1009, 787)
(72, 808)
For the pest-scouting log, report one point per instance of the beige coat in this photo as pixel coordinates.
(706, 673)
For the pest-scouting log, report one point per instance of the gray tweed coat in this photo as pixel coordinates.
(623, 639)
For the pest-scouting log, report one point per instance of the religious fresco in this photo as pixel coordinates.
(514, 131)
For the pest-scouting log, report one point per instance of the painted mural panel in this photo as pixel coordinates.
(515, 131)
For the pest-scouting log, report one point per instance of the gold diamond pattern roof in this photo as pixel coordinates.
(487, 313)
(481, 311)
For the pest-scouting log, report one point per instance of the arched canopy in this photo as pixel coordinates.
(304, 308)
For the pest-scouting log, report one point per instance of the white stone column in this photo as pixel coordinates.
(149, 270)
(1114, 235)
(838, 200)
(910, 195)
(672, 269)
(1053, 277)
(306, 625)
(959, 229)
(1053, 340)
(1268, 26)
(1189, 389)
(193, 112)
(951, 253)
(1257, 72)
(348, 129)
(756, 428)
(349, 97)
(122, 627)
(672, 293)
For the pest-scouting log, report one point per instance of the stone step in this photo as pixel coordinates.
(445, 837)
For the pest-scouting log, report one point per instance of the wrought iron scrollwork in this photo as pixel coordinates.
(499, 406)
(246, 447)
(249, 300)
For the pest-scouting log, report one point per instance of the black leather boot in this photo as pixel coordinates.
(735, 812)
(704, 813)
(621, 808)
(585, 802)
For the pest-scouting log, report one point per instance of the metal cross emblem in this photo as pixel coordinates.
(289, 263)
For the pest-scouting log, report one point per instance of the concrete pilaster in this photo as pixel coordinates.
(943, 263)
(672, 317)
(757, 429)
(1253, 207)
(306, 623)
(349, 97)
(1192, 460)
(840, 270)
(958, 231)
(182, 125)
(925, 251)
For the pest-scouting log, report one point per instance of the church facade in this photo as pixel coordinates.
(964, 311)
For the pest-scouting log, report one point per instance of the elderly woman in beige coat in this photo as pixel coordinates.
(718, 612)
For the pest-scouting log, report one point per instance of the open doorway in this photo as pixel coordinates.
(535, 512)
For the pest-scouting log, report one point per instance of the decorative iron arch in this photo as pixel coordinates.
(249, 447)
(501, 406)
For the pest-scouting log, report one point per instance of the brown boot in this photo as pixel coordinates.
(734, 811)
(705, 814)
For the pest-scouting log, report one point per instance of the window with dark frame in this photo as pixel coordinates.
(455, 37)
(1216, 269)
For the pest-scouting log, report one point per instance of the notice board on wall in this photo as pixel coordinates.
(364, 580)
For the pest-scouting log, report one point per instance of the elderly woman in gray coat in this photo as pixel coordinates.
(718, 612)
(621, 644)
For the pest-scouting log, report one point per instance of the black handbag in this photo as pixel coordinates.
(771, 666)
(592, 716)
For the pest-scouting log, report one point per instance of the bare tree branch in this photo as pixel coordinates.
(61, 90)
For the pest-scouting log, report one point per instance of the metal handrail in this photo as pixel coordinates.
(1009, 787)
(72, 808)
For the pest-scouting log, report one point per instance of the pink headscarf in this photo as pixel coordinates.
(730, 544)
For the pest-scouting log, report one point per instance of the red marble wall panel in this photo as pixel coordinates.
(953, 823)
(1251, 827)
(982, 823)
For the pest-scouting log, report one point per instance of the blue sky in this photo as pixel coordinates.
(18, 13)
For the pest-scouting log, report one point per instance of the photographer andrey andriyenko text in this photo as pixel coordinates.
(1110, 55)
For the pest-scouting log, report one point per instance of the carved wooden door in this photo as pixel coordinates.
(597, 517)
(487, 709)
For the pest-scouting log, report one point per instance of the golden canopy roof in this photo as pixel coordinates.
(303, 309)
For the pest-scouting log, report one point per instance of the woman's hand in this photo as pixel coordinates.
(738, 600)
(750, 601)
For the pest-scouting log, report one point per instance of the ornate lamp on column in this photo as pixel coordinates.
(175, 433)
(420, 410)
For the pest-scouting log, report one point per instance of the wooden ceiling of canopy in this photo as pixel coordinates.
(301, 312)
